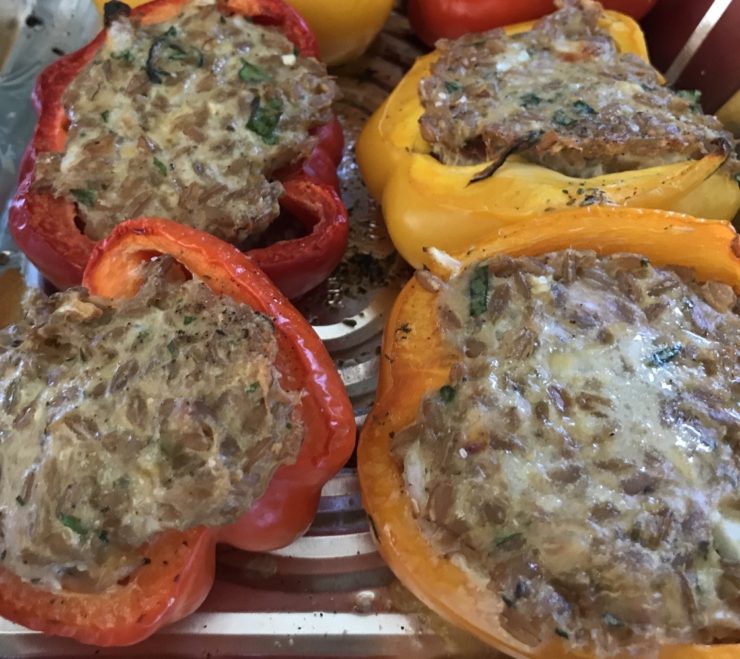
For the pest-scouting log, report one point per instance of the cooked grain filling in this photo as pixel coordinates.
(187, 119)
(561, 95)
(122, 419)
(584, 457)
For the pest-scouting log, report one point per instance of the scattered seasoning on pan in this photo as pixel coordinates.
(251, 388)
(105, 115)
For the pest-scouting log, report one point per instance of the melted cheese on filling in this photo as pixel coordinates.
(585, 455)
(121, 420)
(187, 119)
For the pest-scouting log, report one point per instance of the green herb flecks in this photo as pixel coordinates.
(562, 118)
(562, 633)
(103, 537)
(529, 99)
(252, 73)
(84, 196)
(123, 55)
(176, 52)
(692, 97)
(611, 620)
(105, 115)
(447, 393)
(584, 109)
(160, 166)
(264, 119)
(251, 388)
(188, 320)
(74, 523)
(665, 355)
(644, 262)
(453, 87)
(172, 349)
(503, 540)
(478, 291)
(20, 500)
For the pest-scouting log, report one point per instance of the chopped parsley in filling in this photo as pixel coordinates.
(583, 460)
(119, 420)
(187, 119)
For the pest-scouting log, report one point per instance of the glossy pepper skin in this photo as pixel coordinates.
(449, 19)
(344, 29)
(181, 568)
(417, 361)
(44, 226)
(419, 194)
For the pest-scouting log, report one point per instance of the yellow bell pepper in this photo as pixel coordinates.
(344, 28)
(417, 361)
(419, 194)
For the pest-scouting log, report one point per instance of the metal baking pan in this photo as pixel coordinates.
(329, 593)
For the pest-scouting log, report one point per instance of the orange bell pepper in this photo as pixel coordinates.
(419, 194)
(417, 361)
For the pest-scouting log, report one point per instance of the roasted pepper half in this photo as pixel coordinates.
(44, 226)
(180, 569)
(417, 361)
(419, 194)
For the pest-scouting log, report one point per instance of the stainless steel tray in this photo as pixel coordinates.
(329, 593)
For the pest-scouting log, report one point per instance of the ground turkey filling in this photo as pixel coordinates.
(187, 119)
(584, 457)
(122, 419)
(562, 96)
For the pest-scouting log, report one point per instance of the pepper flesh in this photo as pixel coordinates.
(180, 570)
(419, 194)
(417, 361)
(344, 30)
(44, 226)
(449, 19)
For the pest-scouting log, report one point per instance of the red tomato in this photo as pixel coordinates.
(435, 19)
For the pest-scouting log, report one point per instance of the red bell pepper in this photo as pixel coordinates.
(180, 571)
(437, 19)
(44, 226)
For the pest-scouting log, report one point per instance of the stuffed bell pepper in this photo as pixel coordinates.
(495, 128)
(177, 401)
(553, 458)
(217, 115)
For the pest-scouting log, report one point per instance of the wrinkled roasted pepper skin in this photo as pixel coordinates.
(420, 195)
(181, 568)
(417, 361)
(44, 226)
